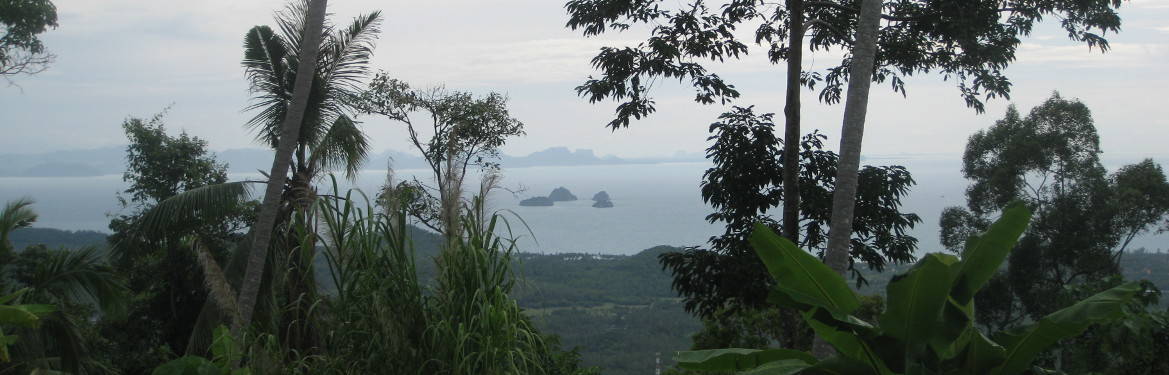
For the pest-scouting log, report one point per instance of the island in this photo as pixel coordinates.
(536, 202)
(561, 194)
(601, 200)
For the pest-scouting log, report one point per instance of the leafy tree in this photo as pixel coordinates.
(744, 184)
(160, 166)
(1141, 198)
(21, 52)
(1084, 220)
(970, 42)
(157, 262)
(465, 131)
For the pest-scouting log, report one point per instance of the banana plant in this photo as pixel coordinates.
(19, 315)
(225, 351)
(928, 324)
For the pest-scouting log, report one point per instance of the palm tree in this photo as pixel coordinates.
(62, 278)
(319, 122)
(69, 279)
(317, 119)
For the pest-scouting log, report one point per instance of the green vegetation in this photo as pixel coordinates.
(21, 49)
(928, 322)
(200, 276)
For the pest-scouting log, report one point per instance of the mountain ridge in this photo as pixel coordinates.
(111, 161)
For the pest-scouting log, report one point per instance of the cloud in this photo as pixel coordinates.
(1079, 56)
(1151, 4)
(525, 61)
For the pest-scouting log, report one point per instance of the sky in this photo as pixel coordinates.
(121, 58)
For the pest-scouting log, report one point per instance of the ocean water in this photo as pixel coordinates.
(655, 204)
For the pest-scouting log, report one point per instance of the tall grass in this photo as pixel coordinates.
(383, 319)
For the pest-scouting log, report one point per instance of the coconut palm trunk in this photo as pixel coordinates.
(864, 53)
(289, 135)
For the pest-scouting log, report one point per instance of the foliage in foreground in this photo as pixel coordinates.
(744, 187)
(384, 316)
(928, 325)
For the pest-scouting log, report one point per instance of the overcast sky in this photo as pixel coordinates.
(119, 58)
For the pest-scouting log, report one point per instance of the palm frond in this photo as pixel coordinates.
(77, 276)
(266, 69)
(291, 22)
(218, 286)
(17, 214)
(57, 343)
(202, 203)
(345, 146)
(347, 52)
(271, 63)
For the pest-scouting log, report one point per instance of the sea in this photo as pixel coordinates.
(654, 204)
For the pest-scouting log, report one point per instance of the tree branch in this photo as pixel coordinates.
(829, 4)
(840, 33)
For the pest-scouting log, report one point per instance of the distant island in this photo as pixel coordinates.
(601, 200)
(536, 202)
(561, 194)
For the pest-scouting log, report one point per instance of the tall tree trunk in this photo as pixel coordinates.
(791, 110)
(289, 135)
(864, 53)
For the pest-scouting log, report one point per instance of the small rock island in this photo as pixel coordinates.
(601, 200)
(536, 202)
(561, 194)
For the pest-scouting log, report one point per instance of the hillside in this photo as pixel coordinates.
(53, 238)
(618, 310)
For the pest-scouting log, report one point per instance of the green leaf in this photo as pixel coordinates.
(10, 297)
(916, 298)
(223, 348)
(210, 201)
(981, 355)
(15, 315)
(801, 276)
(187, 365)
(38, 309)
(5, 341)
(1024, 344)
(952, 332)
(984, 255)
(847, 343)
(737, 359)
(838, 366)
(781, 367)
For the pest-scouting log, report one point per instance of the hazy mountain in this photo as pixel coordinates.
(69, 163)
(112, 160)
